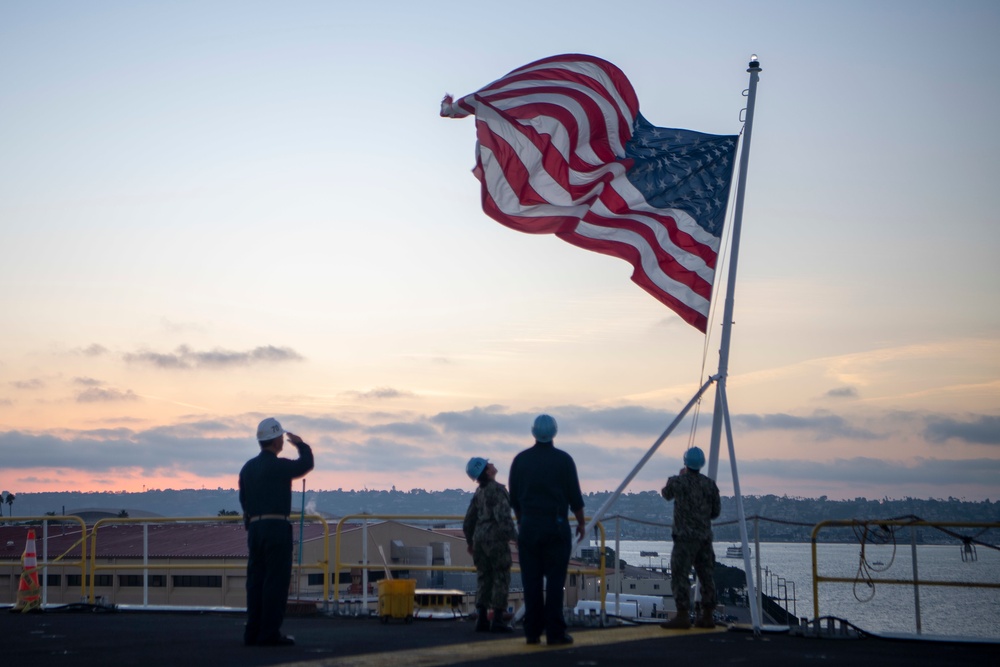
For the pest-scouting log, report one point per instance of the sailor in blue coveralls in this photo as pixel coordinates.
(266, 498)
(544, 487)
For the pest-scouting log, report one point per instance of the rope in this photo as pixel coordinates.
(880, 534)
(720, 267)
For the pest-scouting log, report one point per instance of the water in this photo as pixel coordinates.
(944, 610)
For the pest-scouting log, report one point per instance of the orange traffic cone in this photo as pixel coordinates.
(29, 591)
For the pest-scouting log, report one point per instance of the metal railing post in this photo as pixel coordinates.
(45, 561)
(756, 546)
(618, 567)
(364, 569)
(784, 587)
(145, 562)
(916, 576)
(815, 577)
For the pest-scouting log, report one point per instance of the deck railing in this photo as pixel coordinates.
(90, 564)
(887, 527)
(145, 567)
(43, 557)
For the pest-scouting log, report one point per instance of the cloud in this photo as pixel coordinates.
(825, 425)
(32, 479)
(316, 424)
(938, 472)
(668, 323)
(631, 420)
(104, 433)
(28, 385)
(432, 449)
(193, 429)
(180, 327)
(842, 392)
(384, 392)
(600, 462)
(635, 421)
(94, 350)
(405, 430)
(489, 419)
(99, 395)
(88, 382)
(387, 456)
(184, 357)
(982, 430)
(120, 419)
(104, 451)
(157, 359)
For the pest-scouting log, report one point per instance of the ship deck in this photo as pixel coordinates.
(85, 637)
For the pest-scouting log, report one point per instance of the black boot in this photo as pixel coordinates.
(482, 620)
(681, 621)
(498, 624)
(706, 619)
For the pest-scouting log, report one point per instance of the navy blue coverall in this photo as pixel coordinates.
(266, 498)
(543, 488)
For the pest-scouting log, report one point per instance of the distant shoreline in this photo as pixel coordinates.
(644, 514)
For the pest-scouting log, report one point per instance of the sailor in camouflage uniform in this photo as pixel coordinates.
(696, 503)
(489, 529)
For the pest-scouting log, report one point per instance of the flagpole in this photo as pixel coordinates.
(727, 316)
(720, 415)
(755, 611)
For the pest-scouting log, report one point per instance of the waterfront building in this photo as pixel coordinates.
(203, 564)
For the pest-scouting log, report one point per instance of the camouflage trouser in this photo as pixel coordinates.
(493, 563)
(702, 557)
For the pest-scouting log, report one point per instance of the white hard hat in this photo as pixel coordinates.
(269, 429)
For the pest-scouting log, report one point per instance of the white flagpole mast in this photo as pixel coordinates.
(734, 255)
(720, 414)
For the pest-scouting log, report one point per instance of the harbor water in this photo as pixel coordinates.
(786, 576)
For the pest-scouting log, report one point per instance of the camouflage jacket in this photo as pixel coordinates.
(696, 503)
(488, 517)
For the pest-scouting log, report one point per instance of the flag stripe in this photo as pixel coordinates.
(563, 149)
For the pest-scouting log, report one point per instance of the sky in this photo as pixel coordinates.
(214, 212)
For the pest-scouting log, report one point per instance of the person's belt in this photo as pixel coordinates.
(261, 517)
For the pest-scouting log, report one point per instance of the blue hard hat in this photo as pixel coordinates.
(694, 458)
(475, 467)
(544, 428)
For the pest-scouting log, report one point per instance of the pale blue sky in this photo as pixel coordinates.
(264, 192)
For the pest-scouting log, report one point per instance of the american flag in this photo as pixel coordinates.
(562, 149)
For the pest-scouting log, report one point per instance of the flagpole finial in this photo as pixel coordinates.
(754, 63)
